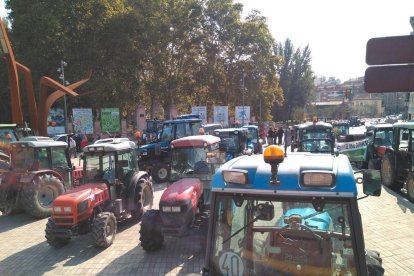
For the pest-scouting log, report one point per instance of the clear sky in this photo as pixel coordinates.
(336, 31)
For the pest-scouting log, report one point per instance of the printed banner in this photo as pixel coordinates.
(200, 110)
(82, 120)
(221, 115)
(110, 120)
(242, 115)
(56, 121)
(356, 151)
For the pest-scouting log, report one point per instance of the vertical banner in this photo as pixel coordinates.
(221, 115)
(110, 120)
(200, 110)
(56, 121)
(242, 114)
(82, 120)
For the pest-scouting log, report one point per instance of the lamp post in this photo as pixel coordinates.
(61, 70)
(243, 88)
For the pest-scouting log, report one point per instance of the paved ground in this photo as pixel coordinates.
(388, 225)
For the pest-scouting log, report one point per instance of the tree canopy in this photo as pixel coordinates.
(187, 52)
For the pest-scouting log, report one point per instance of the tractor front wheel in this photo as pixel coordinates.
(104, 229)
(151, 236)
(144, 198)
(410, 186)
(37, 199)
(51, 239)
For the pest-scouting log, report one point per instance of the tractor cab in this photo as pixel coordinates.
(314, 137)
(234, 142)
(40, 170)
(340, 130)
(254, 141)
(380, 137)
(298, 215)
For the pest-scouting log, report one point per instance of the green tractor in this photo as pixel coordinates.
(397, 166)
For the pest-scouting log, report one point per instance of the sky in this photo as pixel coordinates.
(336, 31)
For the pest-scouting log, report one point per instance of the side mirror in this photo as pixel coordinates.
(264, 211)
(372, 182)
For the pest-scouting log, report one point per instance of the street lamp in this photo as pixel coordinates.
(61, 70)
(243, 88)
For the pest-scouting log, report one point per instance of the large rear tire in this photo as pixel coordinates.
(51, 239)
(144, 198)
(104, 229)
(410, 186)
(151, 236)
(388, 173)
(37, 199)
(160, 173)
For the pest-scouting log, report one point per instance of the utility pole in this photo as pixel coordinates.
(61, 70)
(243, 101)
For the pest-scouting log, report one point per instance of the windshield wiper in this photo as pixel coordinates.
(241, 229)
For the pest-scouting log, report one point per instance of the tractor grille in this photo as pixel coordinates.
(63, 220)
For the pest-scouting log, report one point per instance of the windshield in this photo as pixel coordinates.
(99, 167)
(317, 145)
(382, 137)
(193, 161)
(7, 135)
(252, 135)
(263, 236)
(229, 141)
(341, 129)
(316, 133)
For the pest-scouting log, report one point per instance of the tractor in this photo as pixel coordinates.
(254, 141)
(314, 137)
(398, 161)
(112, 189)
(194, 160)
(295, 215)
(40, 170)
(154, 157)
(379, 139)
(233, 141)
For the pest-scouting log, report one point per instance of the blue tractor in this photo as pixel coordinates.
(233, 142)
(254, 141)
(154, 157)
(295, 215)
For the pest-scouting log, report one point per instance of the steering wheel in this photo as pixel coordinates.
(288, 242)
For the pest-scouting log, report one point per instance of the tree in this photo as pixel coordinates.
(296, 79)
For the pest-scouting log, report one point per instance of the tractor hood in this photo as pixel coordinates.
(94, 192)
(182, 190)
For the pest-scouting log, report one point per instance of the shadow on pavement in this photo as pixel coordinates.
(159, 187)
(15, 221)
(178, 256)
(27, 261)
(402, 201)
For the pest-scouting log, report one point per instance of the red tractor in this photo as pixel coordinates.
(194, 160)
(112, 189)
(40, 170)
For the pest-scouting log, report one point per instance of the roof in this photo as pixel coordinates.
(227, 130)
(180, 121)
(409, 125)
(110, 146)
(108, 140)
(289, 175)
(195, 141)
(8, 125)
(251, 126)
(330, 103)
(378, 126)
(39, 142)
(315, 125)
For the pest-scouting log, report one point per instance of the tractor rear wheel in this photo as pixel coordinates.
(104, 229)
(144, 198)
(51, 239)
(151, 236)
(160, 173)
(388, 173)
(37, 199)
(410, 186)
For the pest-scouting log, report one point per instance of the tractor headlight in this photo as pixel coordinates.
(82, 206)
(67, 209)
(57, 209)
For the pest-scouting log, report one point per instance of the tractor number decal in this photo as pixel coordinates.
(231, 264)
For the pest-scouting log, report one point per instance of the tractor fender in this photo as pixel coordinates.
(27, 178)
(134, 186)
